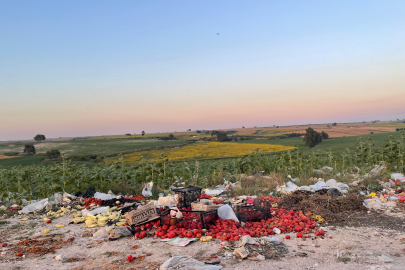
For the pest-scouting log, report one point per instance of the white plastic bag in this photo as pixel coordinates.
(226, 212)
(96, 211)
(119, 232)
(101, 234)
(187, 263)
(147, 190)
(104, 196)
(34, 206)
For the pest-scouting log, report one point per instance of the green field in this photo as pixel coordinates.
(79, 148)
(102, 147)
(338, 144)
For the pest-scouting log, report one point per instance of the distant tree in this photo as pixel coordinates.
(222, 136)
(214, 132)
(276, 126)
(207, 132)
(328, 126)
(312, 137)
(198, 131)
(143, 133)
(39, 138)
(29, 149)
(128, 134)
(371, 132)
(243, 127)
(324, 135)
(189, 129)
(334, 124)
(53, 154)
(171, 136)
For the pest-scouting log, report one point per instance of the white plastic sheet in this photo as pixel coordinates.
(187, 263)
(34, 206)
(104, 196)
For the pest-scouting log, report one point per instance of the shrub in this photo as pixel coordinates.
(53, 154)
(29, 149)
(312, 137)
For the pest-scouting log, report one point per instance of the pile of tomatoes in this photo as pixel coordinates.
(205, 196)
(271, 199)
(286, 221)
(136, 198)
(90, 201)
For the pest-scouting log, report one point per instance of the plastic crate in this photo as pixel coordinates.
(256, 212)
(187, 195)
(202, 218)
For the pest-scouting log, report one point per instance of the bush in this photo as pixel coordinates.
(29, 149)
(53, 154)
(312, 137)
(324, 135)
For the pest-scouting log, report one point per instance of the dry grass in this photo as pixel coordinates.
(256, 185)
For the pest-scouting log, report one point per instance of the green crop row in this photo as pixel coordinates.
(35, 182)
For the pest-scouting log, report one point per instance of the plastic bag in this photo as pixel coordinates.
(226, 212)
(119, 232)
(147, 190)
(187, 262)
(101, 234)
(34, 206)
(96, 211)
(104, 196)
(175, 212)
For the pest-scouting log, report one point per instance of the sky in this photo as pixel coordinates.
(86, 68)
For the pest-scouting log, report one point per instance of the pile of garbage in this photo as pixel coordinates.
(389, 197)
(334, 187)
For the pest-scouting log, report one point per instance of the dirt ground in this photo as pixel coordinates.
(4, 156)
(342, 129)
(360, 243)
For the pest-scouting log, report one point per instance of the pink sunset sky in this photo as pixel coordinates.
(68, 71)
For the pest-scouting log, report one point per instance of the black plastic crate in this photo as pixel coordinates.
(187, 195)
(256, 212)
(204, 218)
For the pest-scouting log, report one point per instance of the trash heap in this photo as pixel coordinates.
(244, 227)
(389, 198)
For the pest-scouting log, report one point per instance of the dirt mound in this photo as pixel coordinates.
(332, 209)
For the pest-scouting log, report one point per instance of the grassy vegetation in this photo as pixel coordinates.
(78, 148)
(338, 144)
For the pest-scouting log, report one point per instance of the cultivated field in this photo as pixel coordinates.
(207, 150)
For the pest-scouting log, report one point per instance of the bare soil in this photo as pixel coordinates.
(342, 129)
(360, 241)
(4, 156)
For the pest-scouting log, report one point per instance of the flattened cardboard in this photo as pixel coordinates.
(142, 215)
(203, 207)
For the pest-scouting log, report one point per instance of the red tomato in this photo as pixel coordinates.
(130, 258)
(287, 237)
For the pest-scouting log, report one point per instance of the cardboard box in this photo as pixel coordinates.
(142, 215)
(203, 207)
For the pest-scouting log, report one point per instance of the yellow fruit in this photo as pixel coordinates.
(24, 219)
(46, 219)
(206, 238)
(45, 231)
(59, 226)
